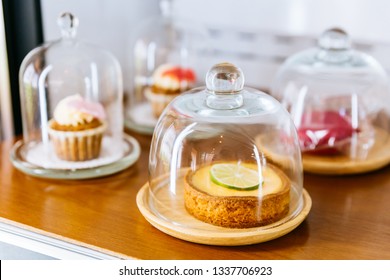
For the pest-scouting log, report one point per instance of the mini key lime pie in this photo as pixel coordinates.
(237, 195)
(210, 178)
(77, 128)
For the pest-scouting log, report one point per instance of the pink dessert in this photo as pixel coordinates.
(324, 132)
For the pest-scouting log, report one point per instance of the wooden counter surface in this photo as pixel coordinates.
(349, 219)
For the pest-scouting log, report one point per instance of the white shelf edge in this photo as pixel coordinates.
(48, 245)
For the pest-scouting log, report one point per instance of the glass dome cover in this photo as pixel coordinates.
(225, 156)
(71, 99)
(165, 61)
(338, 98)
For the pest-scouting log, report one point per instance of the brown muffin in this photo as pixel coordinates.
(77, 129)
(76, 144)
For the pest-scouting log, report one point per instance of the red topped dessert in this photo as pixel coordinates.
(168, 82)
(325, 132)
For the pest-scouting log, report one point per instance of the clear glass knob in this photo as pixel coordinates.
(335, 46)
(334, 39)
(224, 83)
(68, 24)
(166, 8)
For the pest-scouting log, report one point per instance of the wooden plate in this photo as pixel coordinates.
(377, 157)
(188, 228)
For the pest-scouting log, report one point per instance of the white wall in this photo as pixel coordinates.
(255, 34)
(106, 23)
(364, 19)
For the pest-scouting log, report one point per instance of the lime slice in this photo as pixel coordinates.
(235, 176)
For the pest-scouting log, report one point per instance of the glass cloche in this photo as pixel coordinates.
(71, 99)
(339, 100)
(225, 166)
(165, 60)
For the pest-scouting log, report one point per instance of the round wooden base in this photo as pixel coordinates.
(190, 229)
(377, 157)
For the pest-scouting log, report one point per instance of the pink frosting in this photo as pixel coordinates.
(74, 110)
(88, 107)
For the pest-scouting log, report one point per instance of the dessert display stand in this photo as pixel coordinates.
(193, 230)
(101, 215)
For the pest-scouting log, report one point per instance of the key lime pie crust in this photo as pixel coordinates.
(232, 195)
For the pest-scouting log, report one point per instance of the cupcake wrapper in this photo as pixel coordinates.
(158, 101)
(77, 145)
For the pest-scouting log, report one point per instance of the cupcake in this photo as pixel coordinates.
(77, 128)
(168, 82)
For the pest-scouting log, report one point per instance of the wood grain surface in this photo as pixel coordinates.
(349, 218)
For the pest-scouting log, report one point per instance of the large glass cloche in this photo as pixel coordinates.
(72, 110)
(165, 57)
(339, 100)
(225, 166)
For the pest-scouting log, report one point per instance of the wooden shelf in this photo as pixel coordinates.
(349, 218)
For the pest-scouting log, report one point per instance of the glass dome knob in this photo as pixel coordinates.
(166, 8)
(224, 82)
(68, 24)
(224, 78)
(334, 39)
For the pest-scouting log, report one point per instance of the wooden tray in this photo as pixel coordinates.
(190, 229)
(377, 157)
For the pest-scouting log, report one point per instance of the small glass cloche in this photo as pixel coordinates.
(225, 166)
(71, 99)
(165, 60)
(339, 100)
